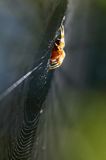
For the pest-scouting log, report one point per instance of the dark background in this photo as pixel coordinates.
(73, 124)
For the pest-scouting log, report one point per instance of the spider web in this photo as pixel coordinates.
(24, 101)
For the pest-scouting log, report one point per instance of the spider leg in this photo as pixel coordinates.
(59, 47)
(55, 64)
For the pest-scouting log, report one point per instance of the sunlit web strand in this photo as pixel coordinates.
(16, 84)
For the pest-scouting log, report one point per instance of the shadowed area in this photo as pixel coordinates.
(58, 114)
(76, 116)
(26, 39)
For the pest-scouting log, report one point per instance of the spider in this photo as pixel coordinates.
(58, 53)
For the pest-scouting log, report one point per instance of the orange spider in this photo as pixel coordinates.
(58, 53)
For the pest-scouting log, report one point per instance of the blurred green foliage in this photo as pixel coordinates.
(86, 138)
(101, 3)
(75, 127)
